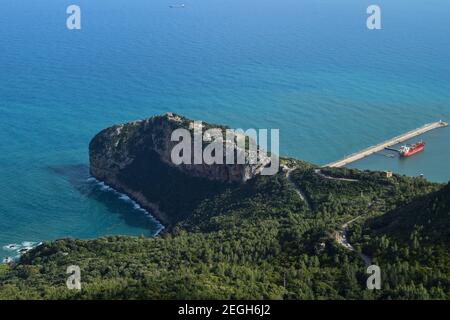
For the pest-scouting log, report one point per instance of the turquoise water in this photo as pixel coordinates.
(309, 68)
(433, 163)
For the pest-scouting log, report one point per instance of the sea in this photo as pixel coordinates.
(310, 68)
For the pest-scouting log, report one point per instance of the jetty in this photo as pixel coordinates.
(387, 144)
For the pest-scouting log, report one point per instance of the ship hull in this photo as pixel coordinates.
(410, 153)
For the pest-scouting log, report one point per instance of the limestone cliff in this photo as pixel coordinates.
(135, 158)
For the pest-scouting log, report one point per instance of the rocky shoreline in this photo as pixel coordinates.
(138, 197)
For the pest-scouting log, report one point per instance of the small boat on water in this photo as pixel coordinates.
(409, 150)
(177, 6)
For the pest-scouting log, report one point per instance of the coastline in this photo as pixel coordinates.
(139, 201)
(149, 209)
(19, 249)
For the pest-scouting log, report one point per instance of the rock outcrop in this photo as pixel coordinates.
(134, 156)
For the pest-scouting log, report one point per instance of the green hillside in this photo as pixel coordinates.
(260, 240)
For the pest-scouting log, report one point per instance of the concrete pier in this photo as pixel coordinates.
(387, 144)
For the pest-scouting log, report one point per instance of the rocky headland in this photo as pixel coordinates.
(135, 159)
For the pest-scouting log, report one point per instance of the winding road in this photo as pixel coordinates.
(320, 174)
(342, 239)
(297, 189)
(340, 236)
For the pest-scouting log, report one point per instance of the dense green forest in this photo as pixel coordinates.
(260, 240)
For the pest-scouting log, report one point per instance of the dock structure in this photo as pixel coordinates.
(387, 144)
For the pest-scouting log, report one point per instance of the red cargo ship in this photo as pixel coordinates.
(409, 150)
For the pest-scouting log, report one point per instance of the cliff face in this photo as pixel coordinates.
(135, 158)
(115, 148)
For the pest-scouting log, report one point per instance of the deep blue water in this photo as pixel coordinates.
(309, 68)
